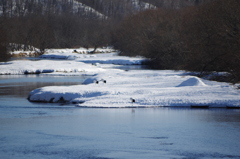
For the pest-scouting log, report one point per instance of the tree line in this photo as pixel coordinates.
(50, 24)
(62, 23)
(55, 31)
(201, 38)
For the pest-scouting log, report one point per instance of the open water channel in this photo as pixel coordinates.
(53, 131)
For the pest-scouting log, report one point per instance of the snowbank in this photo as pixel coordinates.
(148, 88)
(46, 66)
(102, 58)
(69, 61)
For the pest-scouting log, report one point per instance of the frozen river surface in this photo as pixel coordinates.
(30, 130)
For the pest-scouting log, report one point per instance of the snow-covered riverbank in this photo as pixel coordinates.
(148, 88)
(61, 61)
(117, 88)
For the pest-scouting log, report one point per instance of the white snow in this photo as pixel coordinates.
(194, 81)
(104, 58)
(45, 66)
(149, 88)
(65, 61)
(138, 5)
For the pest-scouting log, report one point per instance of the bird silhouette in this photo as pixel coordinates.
(103, 80)
(132, 100)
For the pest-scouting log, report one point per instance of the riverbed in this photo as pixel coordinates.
(55, 131)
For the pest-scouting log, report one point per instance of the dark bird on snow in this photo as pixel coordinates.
(132, 100)
(103, 80)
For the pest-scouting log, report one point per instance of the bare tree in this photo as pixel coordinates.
(4, 56)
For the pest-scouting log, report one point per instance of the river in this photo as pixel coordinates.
(54, 131)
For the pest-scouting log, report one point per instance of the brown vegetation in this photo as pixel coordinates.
(212, 35)
(202, 38)
(3, 42)
(51, 23)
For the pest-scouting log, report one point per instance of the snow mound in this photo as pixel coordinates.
(90, 80)
(194, 81)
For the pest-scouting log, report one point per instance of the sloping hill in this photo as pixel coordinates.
(24, 7)
(88, 8)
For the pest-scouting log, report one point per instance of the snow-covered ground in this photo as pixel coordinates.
(62, 61)
(117, 88)
(104, 56)
(45, 66)
(148, 88)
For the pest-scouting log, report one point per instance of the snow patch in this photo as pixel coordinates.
(194, 81)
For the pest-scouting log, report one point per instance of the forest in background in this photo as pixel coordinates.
(201, 38)
(69, 23)
(194, 35)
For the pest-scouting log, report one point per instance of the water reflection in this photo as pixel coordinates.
(21, 85)
(221, 115)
